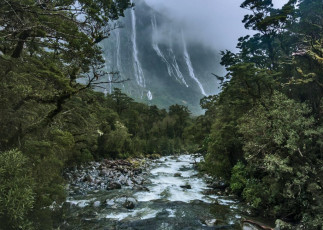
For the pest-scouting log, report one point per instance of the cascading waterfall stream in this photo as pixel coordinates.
(149, 95)
(136, 64)
(179, 74)
(118, 54)
(108, 88)
(156, 47)
(190, 67)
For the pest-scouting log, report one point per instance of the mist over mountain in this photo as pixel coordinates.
(164, 66)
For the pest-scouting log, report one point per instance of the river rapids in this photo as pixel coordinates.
(175, 197)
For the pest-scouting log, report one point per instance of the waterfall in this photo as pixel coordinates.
(149, 95)
(118, 50)
(156, 47)
(110, 84)
(179, 74)
(190, 67)
(136, 64)
(108, 88)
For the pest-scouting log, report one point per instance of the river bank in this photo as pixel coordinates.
(167, 193)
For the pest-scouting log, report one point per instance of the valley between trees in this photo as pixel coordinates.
(262, 135)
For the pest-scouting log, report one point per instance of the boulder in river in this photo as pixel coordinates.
(218, 185)
(211, 222)
(177, 175)
(187, 186)
(140, 188)
(130, 203)
(96, 203)
(114, 185)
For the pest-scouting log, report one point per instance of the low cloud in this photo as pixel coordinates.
(213, 23)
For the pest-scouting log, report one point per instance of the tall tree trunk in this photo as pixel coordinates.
(20, 45)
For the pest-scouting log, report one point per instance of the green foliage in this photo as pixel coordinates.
(269, 113)
(116, 142)
(238, 179)
(276, 135)
(254, 193)
(56, 121)
(276, 129)
(49, 157)
(17, 195)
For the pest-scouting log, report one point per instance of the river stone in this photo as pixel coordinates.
(211, 222)
(122, 179)
(218, 185)
(130, 203)
(187, 186)
(177, 175)
(138, 180)
(140, 188)
(114, 185)
(248, 226)
(87, 178)
(96, 203)
(110, 202)
(103, 173)
(129, 183)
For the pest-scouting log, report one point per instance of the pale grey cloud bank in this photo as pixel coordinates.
(214, 23)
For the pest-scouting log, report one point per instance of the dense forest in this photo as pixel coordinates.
(265, 127)
(262, 134)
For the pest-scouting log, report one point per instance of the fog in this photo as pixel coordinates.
(213, 23)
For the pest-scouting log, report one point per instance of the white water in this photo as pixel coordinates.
(156, 47)
(139, 74)
(166, 186)
(118, 50)
(79, 203)
(179, 74)
(108, 88)
(110, 84)
(165, 197)
(190, 67)
(143, 214)
(149, 95)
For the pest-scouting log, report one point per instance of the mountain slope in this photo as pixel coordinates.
(162, 66)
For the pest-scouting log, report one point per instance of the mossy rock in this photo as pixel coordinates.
(154, 156)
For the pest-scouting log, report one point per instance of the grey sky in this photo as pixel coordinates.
(214, 23)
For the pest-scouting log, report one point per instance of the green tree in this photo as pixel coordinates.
(181, 115)
(17, 195)
(278, 136)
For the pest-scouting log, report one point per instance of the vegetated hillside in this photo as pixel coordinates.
(263, 132)
(163, 66)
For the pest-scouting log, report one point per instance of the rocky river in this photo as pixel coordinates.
(167, 193)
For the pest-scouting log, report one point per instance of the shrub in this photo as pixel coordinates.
(16, 190)
(238, 178)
